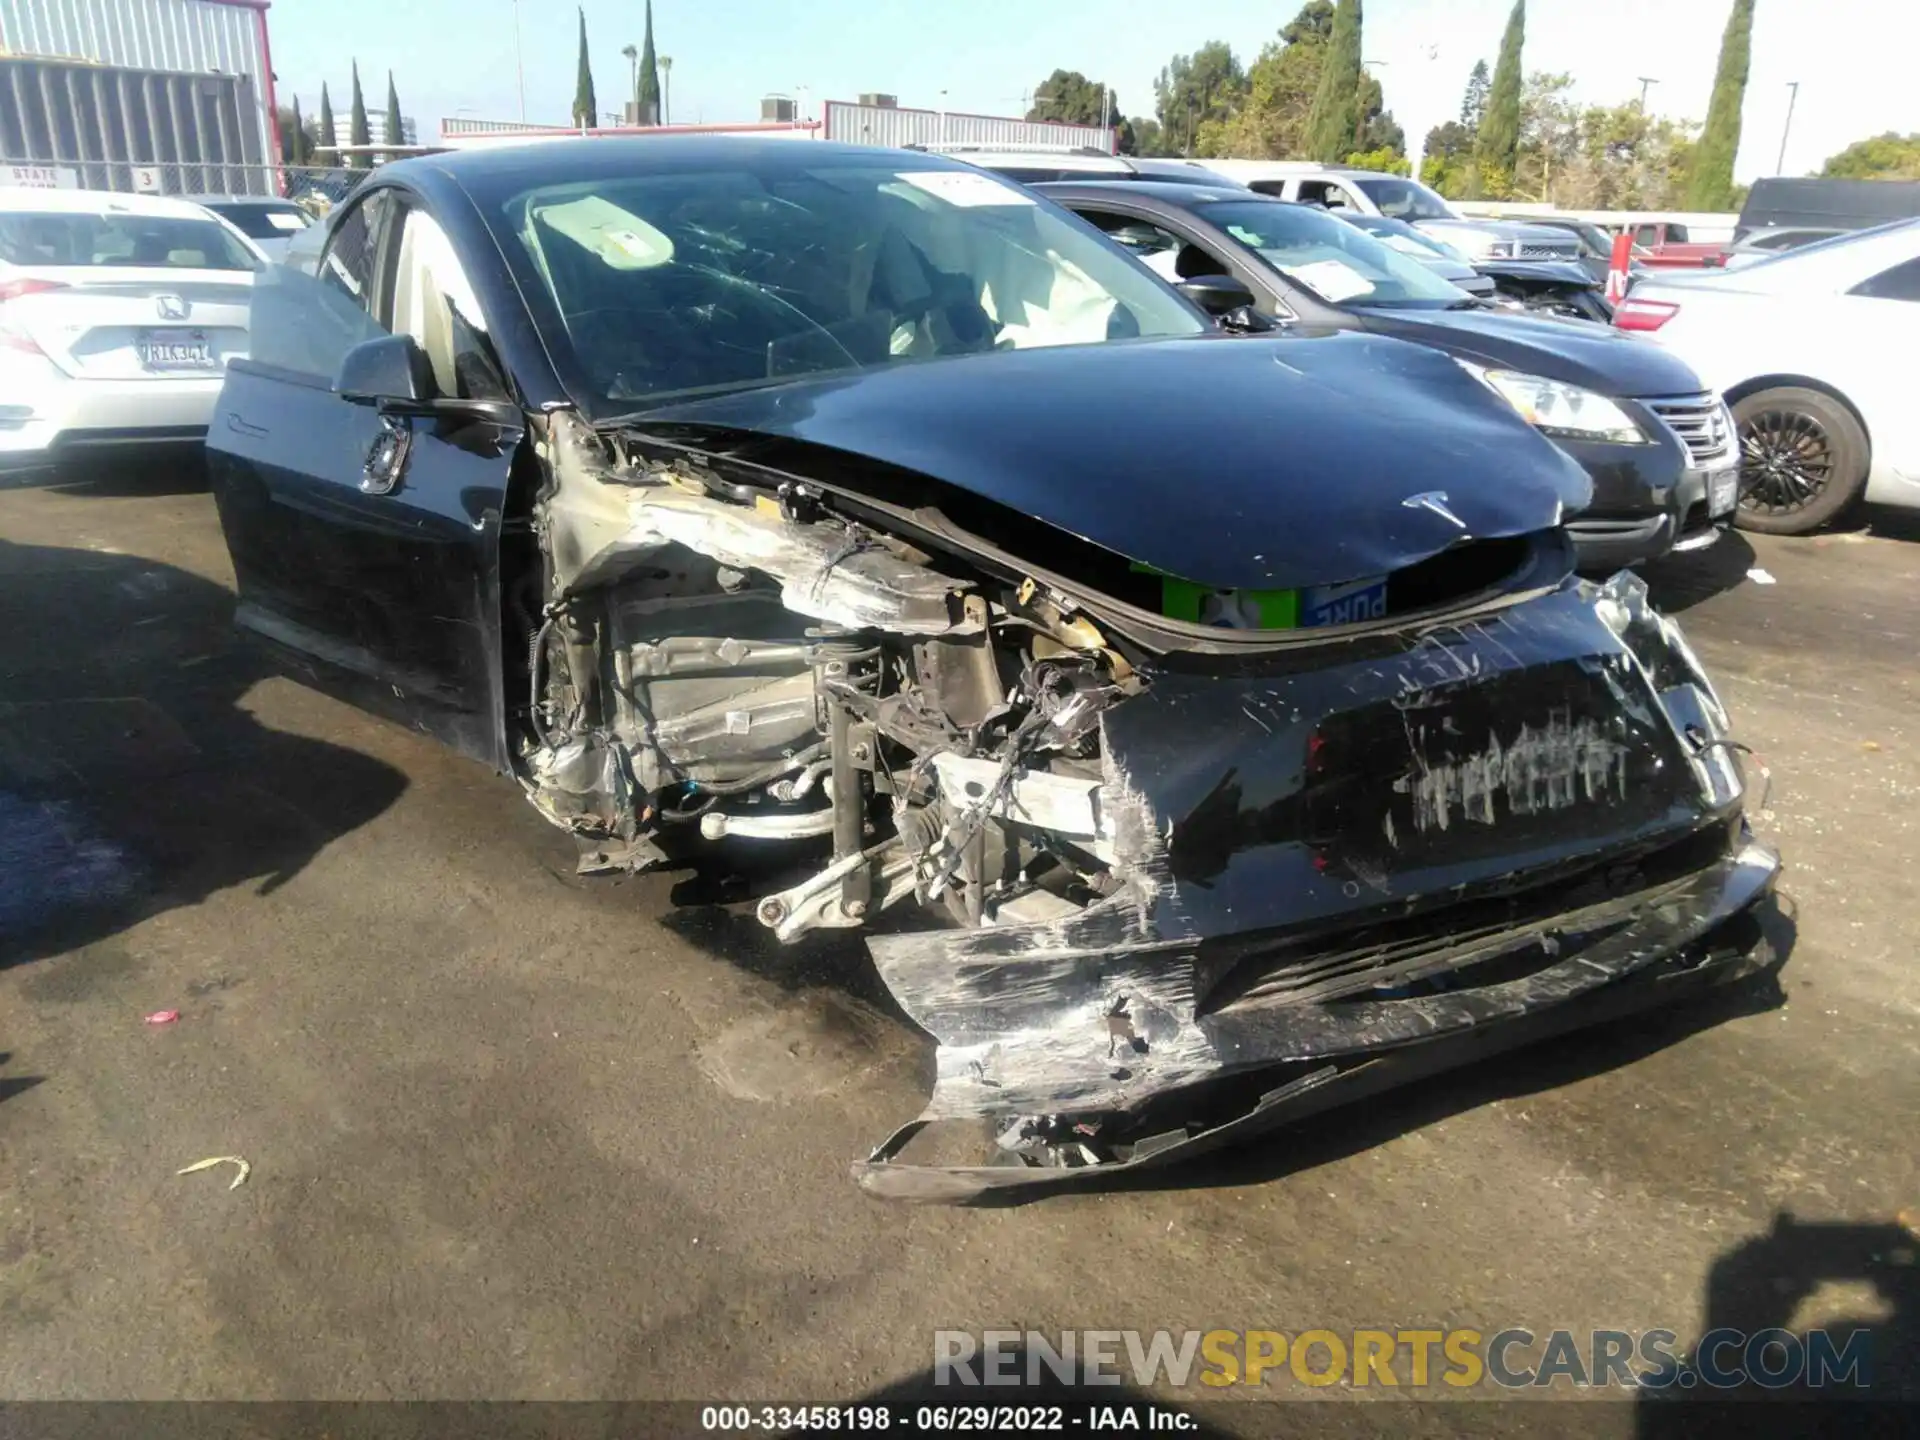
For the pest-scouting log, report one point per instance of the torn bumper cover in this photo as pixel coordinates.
(1343, 878)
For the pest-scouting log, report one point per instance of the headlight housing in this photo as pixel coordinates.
(1564, 411)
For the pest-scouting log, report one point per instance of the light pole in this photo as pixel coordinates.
(1793, 94)
(666, 89)
(1645, 81)
(519, 62)
(633, 80)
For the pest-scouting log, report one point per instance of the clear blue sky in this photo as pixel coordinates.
(1853, 58)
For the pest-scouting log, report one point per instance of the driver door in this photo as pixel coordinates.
(366, 543)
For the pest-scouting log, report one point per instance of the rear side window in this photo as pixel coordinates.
(164, 242)
(1902, 282)
(302, 325)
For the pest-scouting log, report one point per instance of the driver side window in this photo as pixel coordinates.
(1155, 247)
(301, 325)
(433, 301)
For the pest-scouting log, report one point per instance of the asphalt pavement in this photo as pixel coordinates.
(517, 1134)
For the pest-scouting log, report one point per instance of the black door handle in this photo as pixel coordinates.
(242, 427)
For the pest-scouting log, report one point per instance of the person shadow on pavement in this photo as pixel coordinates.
(1767, 1336)
(132, 780)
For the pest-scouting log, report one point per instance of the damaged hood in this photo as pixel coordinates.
(1244, 463)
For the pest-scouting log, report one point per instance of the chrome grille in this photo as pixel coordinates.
(1546, 250)
(1703, 425)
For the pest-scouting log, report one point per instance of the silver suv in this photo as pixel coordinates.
(1369, 192)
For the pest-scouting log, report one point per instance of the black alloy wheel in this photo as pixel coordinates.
(1803, 460)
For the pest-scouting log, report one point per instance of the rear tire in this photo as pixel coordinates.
(1803, 460)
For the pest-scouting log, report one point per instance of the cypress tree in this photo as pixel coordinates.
(357, 131)
(1334, 121)
(299, 147)
(648, 91)
(1710, 185)
(1497, 144)
(326, 139)
(396, 131)
(586, 110)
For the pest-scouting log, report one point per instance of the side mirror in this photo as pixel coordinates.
(1216, 294)
(1245, 320)
(392, 370)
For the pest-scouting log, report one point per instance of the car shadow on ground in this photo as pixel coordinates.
(131, 779)
(12, 1085)
(1677, 582)
(1888, 522)
(184, 473)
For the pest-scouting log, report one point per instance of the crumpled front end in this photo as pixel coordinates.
(1143, 838)
(1343, 878)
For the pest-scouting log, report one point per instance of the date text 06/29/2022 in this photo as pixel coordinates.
(940, 1419)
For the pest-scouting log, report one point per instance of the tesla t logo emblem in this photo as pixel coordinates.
(1436, 501)
(171, 307)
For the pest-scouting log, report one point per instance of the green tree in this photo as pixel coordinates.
(396, 127)
(646, 90)
(1070, 98)
(325, 140)
(296, 146)
(1446, 159)
(358, 134)
(1271, 123)
(1333, 125)
(586, 110)
(1473, 105)
(1376, 130)
(1598, 157)
(1497, 141)
(1139, 135)
(1884, 157)
(1281, 85)
(1195, 91)
(1711, 186)
(1389, 160)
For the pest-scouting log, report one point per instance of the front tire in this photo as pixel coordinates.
(1803, 460)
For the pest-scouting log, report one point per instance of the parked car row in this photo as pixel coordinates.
(1809, 339)
(1218, 710)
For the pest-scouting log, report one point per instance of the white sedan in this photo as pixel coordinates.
(1818, 352)
(118, 314)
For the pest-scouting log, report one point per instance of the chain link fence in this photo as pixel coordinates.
(315, 188)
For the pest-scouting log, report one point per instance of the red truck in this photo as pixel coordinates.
(1664, 244)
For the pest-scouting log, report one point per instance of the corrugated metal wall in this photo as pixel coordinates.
(883, 125)
(103, 120)
(193, 37)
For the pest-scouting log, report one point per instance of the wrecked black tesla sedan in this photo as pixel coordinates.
(1207, 711)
